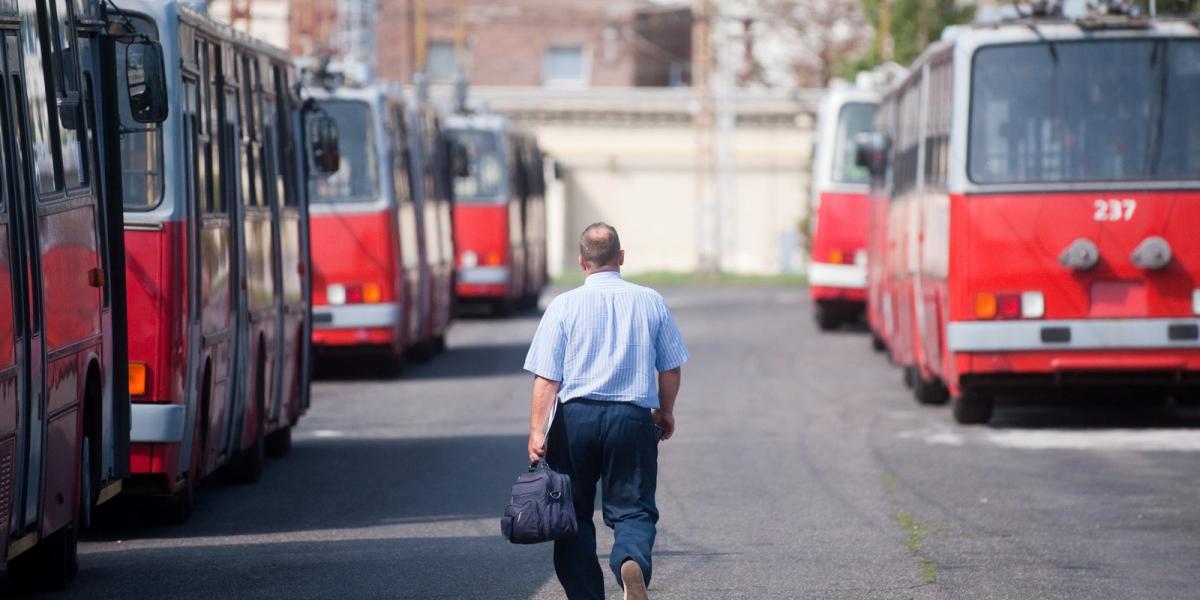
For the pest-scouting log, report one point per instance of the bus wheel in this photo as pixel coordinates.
(877, 343)
(929, 391)
(248, 468)
(909, 376)
(826, 319)
(279, 442)
(972, 408)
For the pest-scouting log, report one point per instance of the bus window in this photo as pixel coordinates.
(1097, 110)
(356, 180)
(67, 87)
(853, 119)
(141, 143)
(485, 179)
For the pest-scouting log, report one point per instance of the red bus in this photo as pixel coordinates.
(64, 407)
(837, 270)
(217, 267)
(1043, 189)
(499, 212)
(431, 182)
(378, 232)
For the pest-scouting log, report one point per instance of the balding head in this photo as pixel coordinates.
(599, 247)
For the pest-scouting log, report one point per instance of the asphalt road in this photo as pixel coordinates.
(801, 469)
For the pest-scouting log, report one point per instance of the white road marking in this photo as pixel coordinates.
(1135, 440)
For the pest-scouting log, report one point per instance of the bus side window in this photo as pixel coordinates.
(215, 153)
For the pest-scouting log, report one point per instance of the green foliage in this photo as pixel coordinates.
(905, 29)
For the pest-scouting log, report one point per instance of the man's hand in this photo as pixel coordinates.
(665, 421)
(536, 449)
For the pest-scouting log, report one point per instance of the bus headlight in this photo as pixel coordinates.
(336, 293)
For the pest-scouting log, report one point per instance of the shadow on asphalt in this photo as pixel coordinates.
(341, 483)
(1129, 412)
(473, 361)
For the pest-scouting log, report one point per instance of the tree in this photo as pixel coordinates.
(811, 38)
(914, 24)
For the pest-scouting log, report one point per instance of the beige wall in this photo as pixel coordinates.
(641, 177)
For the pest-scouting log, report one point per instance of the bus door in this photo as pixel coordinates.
(229, 101)
(217, 281)
(16, 423)
(110, 450)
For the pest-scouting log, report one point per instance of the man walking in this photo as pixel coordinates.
(610, 353)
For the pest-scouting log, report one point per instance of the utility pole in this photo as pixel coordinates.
(460, 37)
(419, 43)
(708, 221)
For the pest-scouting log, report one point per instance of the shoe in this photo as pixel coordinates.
(634, 582)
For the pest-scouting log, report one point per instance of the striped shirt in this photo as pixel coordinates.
(607, 340)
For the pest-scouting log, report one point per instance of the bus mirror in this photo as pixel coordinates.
(146, 81)
(324, 144)
(462, 161)
(871, 152)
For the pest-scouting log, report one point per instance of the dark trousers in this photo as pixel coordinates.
(615, 444)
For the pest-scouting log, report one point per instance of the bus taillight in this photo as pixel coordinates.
(367, 293)
(1027, 305)
(137, 379)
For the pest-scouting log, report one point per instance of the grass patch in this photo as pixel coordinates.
(672, 278)
(929, 571)
(917, 531)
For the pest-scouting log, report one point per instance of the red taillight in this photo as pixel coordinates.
(1008, 306)
(354, 294)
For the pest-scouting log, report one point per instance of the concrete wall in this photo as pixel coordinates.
(631, 159)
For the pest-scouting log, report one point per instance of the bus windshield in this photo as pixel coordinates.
(1085, 111)
(484, 181)
(854, 118)
(357, 178)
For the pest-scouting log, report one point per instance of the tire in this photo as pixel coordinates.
(929, 392)
(826, 320)
(249, 465)
(279, 442)
(439, 344)
(972, 408)
(877, 343)
(909, 376)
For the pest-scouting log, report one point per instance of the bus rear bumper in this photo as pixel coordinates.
(828, 275)
(999, 356)
(483, 282)
(157, 423)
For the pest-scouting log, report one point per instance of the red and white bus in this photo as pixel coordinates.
(499, 212)
(381, 229)
(431, 152)
(1043, 193)
(837, 270)
(217, 267)
(64, 407)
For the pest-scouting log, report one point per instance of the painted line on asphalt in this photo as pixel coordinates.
(1136, 440)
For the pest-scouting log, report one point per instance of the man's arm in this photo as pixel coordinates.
(545, 393)
(668, 388)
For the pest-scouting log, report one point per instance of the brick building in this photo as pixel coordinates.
(556, 43)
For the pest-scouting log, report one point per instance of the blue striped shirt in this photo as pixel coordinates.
(607, 340)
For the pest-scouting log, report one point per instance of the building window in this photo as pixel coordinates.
(564, 65)
(439, 61)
